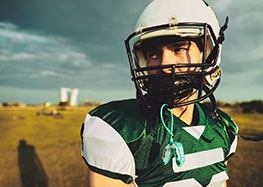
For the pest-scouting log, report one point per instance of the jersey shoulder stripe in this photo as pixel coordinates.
(124, 117)
(105, 151)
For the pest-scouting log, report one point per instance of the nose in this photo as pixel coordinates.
(168, 58)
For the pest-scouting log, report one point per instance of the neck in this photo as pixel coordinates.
(186, 114)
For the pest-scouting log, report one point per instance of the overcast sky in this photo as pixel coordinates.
(49, 44)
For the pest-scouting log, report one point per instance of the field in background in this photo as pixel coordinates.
(246, 166)
(56, 158)
(48, 143)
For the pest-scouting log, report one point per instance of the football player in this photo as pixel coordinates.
(165, 137)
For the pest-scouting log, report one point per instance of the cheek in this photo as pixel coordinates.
(196, 60)
(196, 56)
(193, 57)
(151, 63)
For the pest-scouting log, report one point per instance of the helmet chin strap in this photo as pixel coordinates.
(217, 118)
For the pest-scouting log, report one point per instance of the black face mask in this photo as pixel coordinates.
(170, 88)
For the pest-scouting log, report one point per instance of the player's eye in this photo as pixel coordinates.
(153, 55)
(179, 47)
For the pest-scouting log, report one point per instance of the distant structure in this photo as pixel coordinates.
(69, 95)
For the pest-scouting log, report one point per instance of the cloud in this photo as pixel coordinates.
(242, 49)
(26, 56)
(31, 60)
(80, 44)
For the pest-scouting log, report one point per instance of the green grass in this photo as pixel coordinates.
(56, 143)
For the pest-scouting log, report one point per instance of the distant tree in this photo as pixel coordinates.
(255, 106)
(63, 103)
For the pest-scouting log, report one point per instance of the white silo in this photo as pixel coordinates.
(64, 94)
(74, 96)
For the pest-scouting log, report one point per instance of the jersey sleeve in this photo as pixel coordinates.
(105, 151)
(232, 129)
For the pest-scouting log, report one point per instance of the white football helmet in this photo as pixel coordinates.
(192, 20)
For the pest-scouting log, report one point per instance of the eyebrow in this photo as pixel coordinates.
(180, 43)
(157, 43)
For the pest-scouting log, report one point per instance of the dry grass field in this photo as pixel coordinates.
(45, 149)
(246, 166)
(51, 150)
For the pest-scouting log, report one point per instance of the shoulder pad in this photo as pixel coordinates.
(124, 116)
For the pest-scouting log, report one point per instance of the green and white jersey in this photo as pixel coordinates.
(119, 142)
